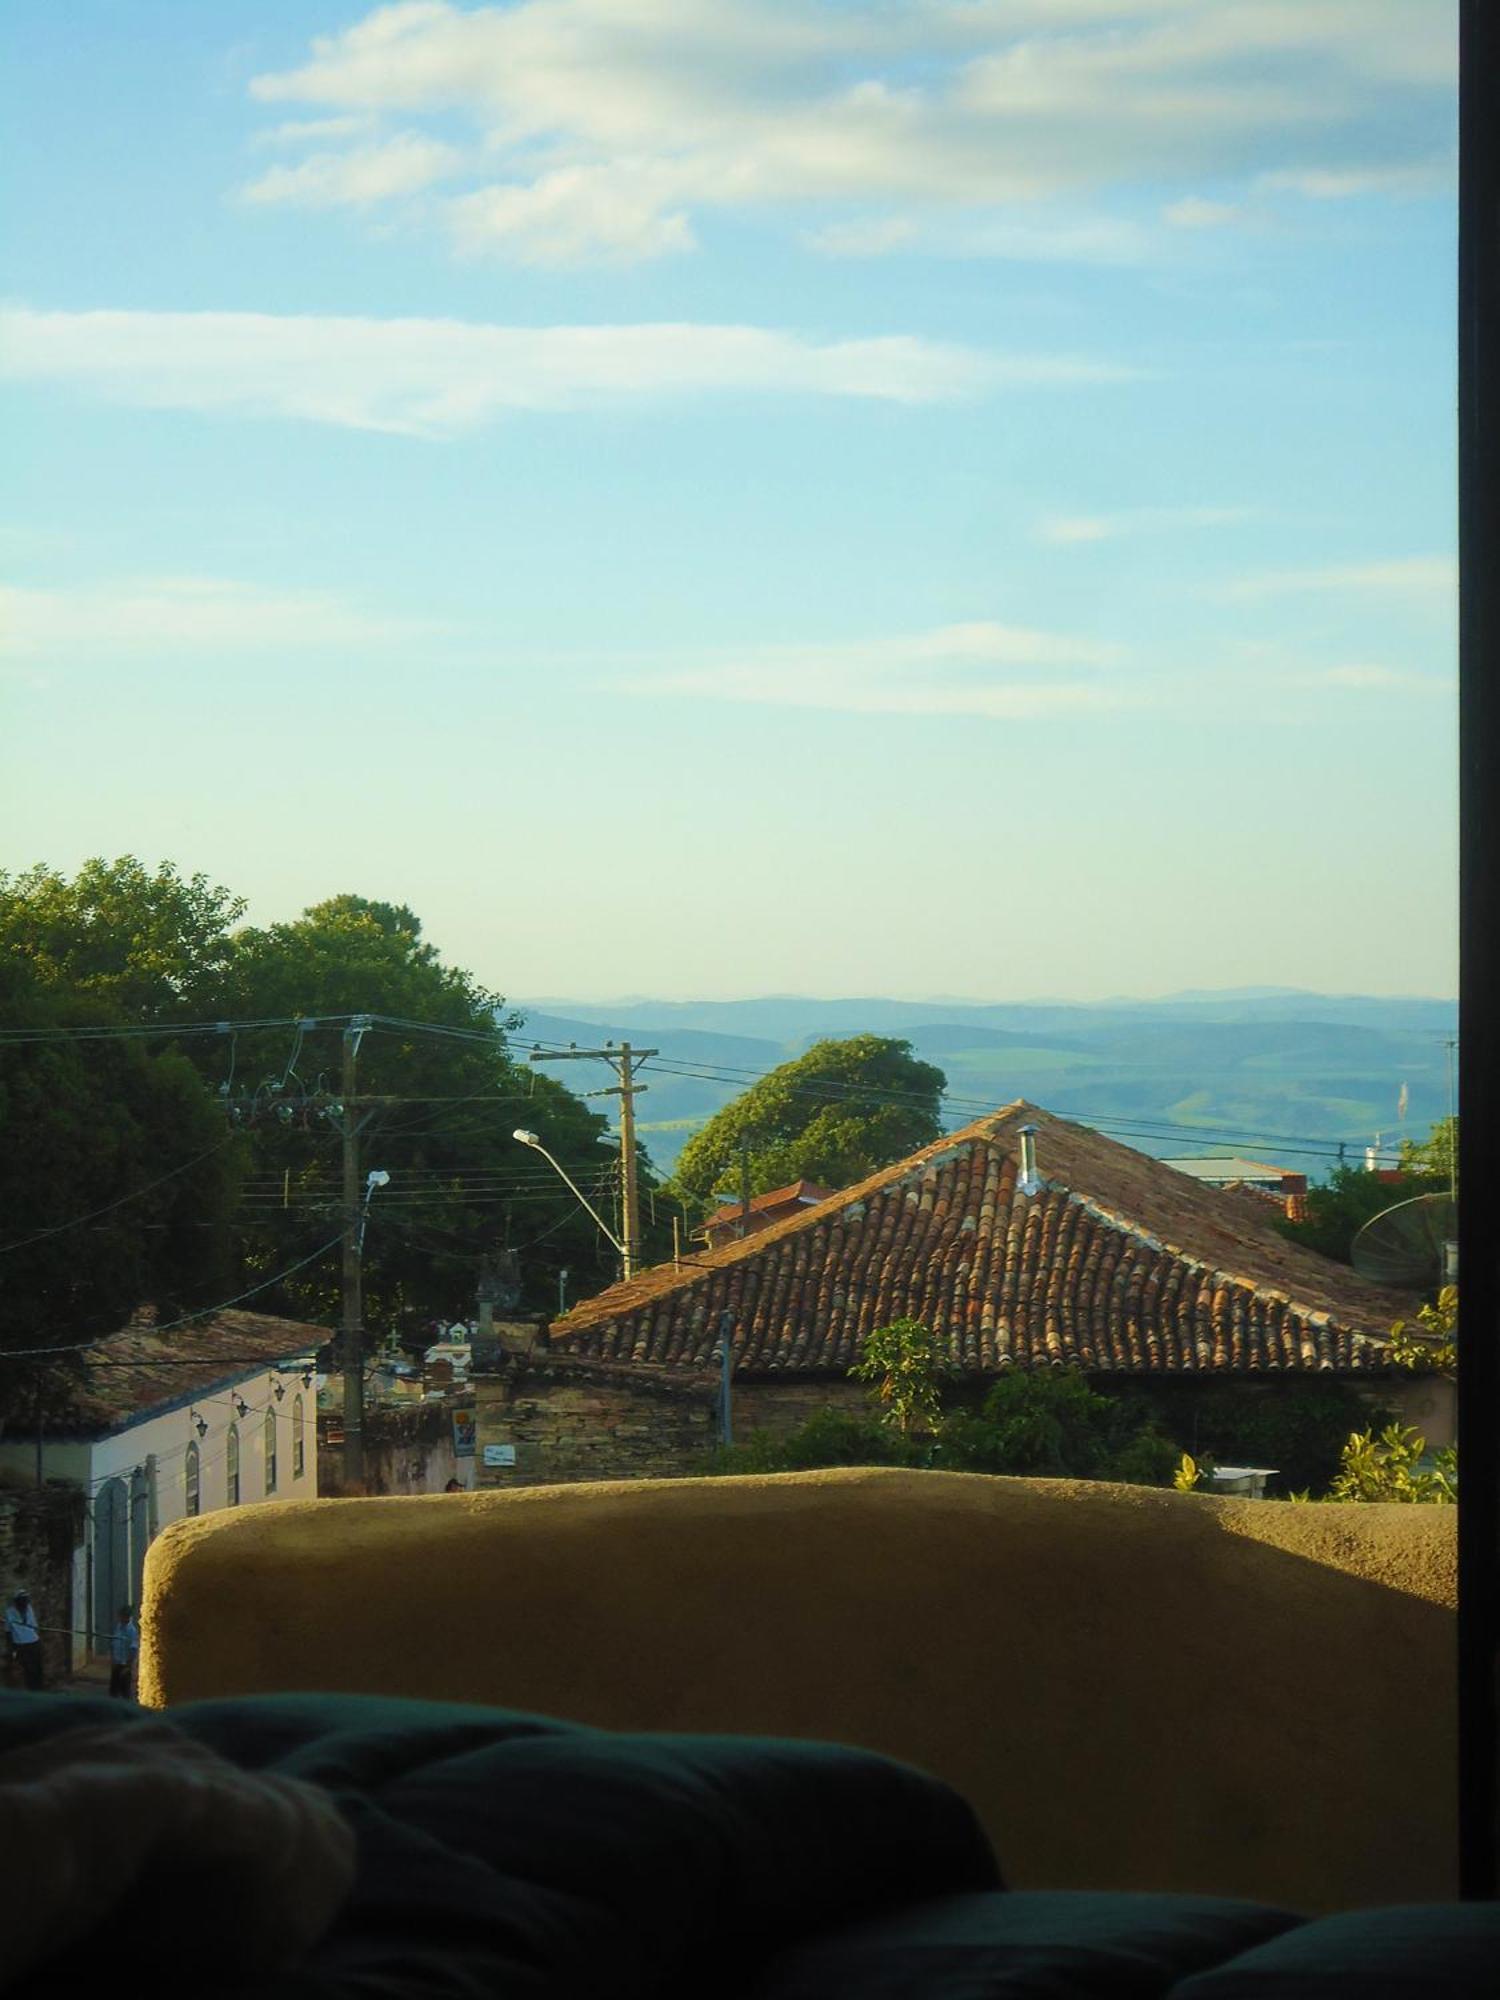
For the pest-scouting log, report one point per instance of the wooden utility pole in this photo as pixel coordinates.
(352, 1340)
(624, 1061)
(744, 1183)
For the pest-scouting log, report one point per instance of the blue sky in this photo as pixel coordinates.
(941, 496)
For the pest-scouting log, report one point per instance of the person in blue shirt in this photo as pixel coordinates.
(25, 1640)
(124, 1645)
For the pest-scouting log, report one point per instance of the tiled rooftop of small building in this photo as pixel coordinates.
(1120, 1265)
(132, 1373)
(804, 1193)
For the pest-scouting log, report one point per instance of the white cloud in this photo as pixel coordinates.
(867, 236)
(573, 216)
(159, 615)
(1344, 183)
(1064, 529)
(1401, 576)
(660, 109)
(440, 377)
(1041, 236)
(984, 670)
(398, 166)
(304, 131)
(1193, 212)
(1362, 678)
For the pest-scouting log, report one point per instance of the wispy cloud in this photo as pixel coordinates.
(1194, 212)
(162, 615)
(610, 129)
(1360, 678)
(1068, 528)
(1400, 576)
(984, 670)
(359, 177)
(441, 377)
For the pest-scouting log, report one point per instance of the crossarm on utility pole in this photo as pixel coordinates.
(624, 1061)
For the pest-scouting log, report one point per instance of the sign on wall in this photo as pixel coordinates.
(463, 1433)
(499, 1454)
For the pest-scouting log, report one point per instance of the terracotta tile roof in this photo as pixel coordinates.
(803, 1193)
(137, 1372)
(1119, 1265)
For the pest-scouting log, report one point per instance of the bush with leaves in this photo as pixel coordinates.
(906, 1368)
(1396, 1465)
(832, 1437)
(1051, 1424)
(1433, 1350)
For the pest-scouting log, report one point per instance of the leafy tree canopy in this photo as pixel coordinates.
(1436, 1154)
(1053, 1425)
(122, 943)
(1339, 1208)
(836, 1114)
(147, 943)
(86, 1123)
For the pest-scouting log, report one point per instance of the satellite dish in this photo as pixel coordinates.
(1410, 1245)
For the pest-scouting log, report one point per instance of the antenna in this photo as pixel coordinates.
(1413, 1245)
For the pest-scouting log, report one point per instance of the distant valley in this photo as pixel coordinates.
(1281, 1074)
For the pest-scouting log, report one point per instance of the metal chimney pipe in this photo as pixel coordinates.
(1030, 1182)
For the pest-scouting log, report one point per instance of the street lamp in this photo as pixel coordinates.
(530, 1139)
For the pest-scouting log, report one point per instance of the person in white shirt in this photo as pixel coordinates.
(26, 1641)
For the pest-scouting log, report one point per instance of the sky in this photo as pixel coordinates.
(714, 497)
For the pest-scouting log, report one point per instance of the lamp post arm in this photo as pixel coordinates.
(583, 1198)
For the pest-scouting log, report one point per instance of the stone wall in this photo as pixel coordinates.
(780, 1407)
(567, 1420)
(408, 1450)
(39, 1529)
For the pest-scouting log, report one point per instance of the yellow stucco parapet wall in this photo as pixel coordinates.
(1136, 1689)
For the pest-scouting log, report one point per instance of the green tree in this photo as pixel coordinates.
(148, 944)
(462, 1187)
(124, 943)
(1340, 1207)
(87, 1123)
(1436, 1154)
(906, 1369)
(1051, 1424)
(836, 1114)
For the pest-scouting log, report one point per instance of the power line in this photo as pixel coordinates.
(57, 1228)
(202, 1312)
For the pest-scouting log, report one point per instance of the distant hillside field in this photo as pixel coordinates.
(1284, 1075)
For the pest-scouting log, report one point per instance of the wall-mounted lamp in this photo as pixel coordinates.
(278, 1390)
(242, 1408)
(198, 1424)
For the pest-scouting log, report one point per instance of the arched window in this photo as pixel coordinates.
(232, 1466)
(270, 1451)
(191, 1475)
(299, 1439)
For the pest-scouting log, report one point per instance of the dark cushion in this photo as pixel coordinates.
(1420, 1951)
(510, 1854)
(1027, 1943)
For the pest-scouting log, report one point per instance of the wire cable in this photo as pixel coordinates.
(169, 1326)
(77, 1222)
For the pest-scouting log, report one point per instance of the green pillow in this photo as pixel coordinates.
(1413, 1951)
(1043, 1945)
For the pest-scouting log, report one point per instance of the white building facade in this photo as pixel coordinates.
(201, 1423)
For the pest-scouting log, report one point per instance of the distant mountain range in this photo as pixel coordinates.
(1284, 1075)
